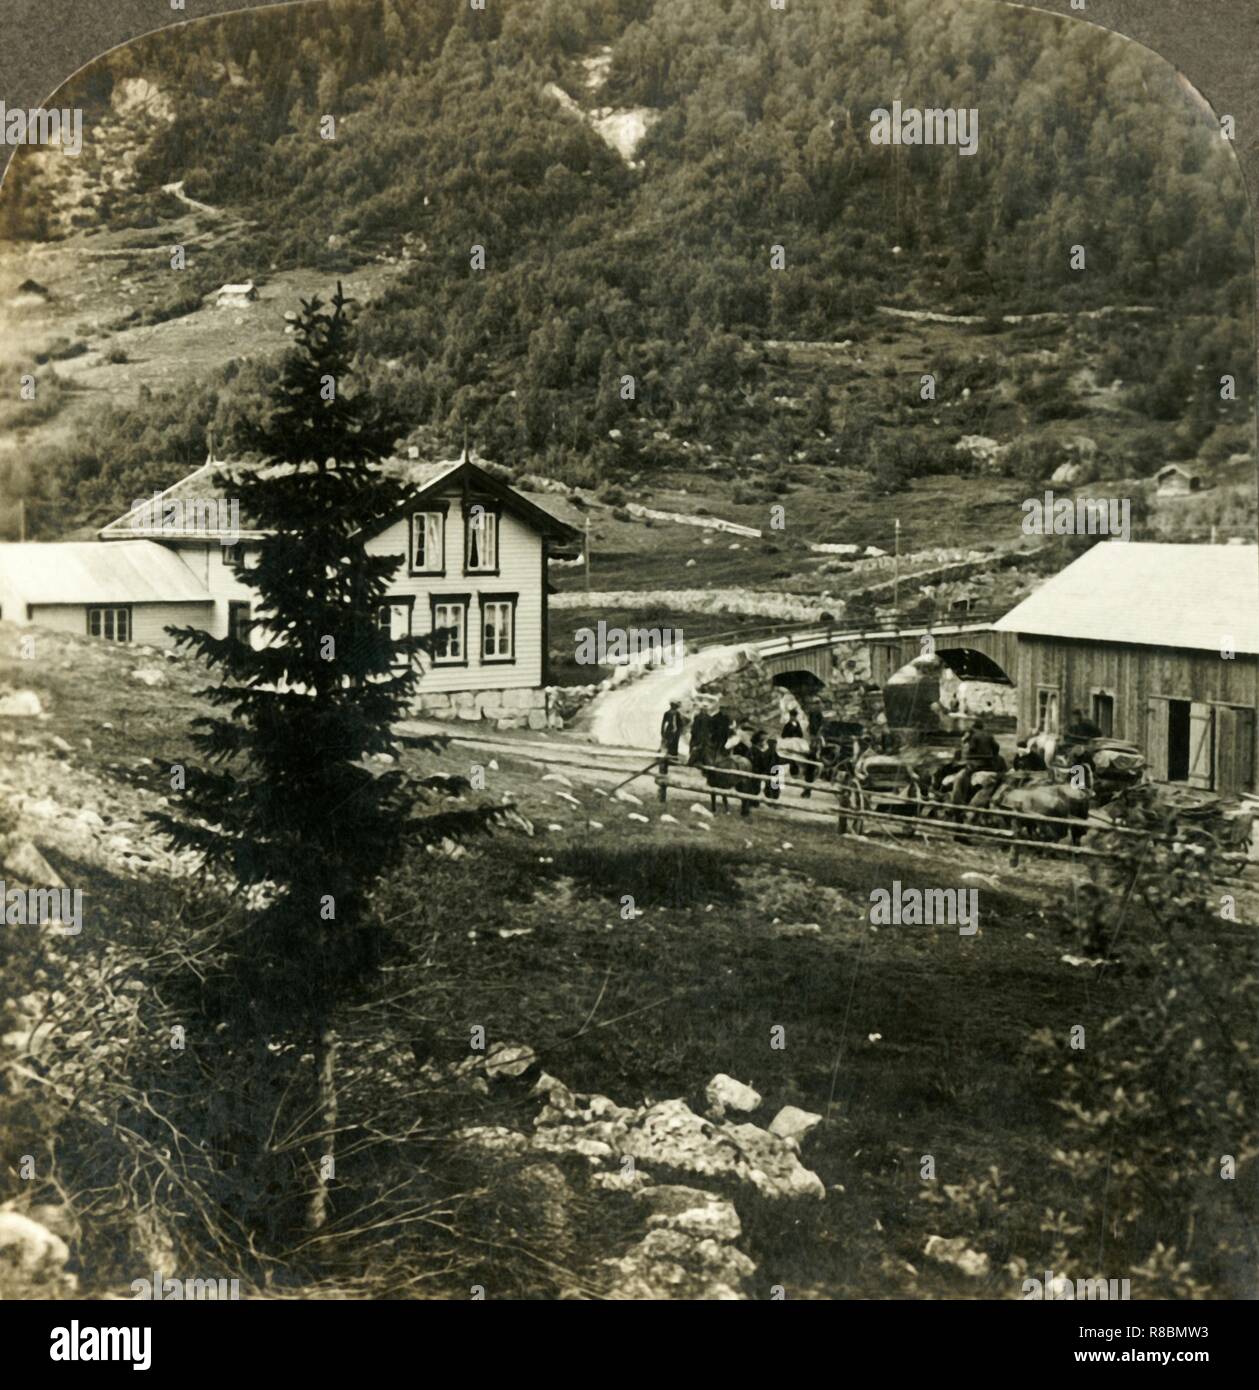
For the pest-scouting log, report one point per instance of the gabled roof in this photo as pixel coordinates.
(88, 572)
(1188, 596)
(477, 482)
(211, 483)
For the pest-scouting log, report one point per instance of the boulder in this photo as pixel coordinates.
(34, 1249)
(692, 1211)
(725, 1093)
(670, 1135)
(152, 676)
(22, 860)
(19, 704)
(772, 1166)
(792, 1123)
(955, 1252)
(668, 1264)
(509, 1060)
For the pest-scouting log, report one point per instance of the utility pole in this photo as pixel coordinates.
(585, 551)
(21, 518)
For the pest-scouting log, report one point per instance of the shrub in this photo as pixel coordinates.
(1162, 1092)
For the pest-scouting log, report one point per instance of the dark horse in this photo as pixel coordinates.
(726, 770)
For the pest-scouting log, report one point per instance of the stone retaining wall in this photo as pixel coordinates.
(506, 709)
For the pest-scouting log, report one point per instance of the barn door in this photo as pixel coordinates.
(1201, 744)
(1234, 748)
(1156, 717)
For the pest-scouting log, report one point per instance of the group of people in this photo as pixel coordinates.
(712, 730)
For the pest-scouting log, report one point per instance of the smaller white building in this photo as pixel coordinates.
(1175, 481)
(129, 592)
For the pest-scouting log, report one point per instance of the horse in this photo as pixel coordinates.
(725, 770)
(1034, 794)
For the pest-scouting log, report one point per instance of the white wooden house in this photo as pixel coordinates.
(472, 554)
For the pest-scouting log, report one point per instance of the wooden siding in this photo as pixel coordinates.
(1137, 677)
(148, 620)
(520, 571)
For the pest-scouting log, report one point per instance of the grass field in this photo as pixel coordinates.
(746, 948)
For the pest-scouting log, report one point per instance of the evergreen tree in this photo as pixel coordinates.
(288, 804)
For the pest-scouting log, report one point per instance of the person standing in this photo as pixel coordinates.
(721, 728)
(701, 737)
(671, 727)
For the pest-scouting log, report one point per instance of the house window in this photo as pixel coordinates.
(450, 628)
(113, 624)
(428, 542)
(232, 556)
(1104, 712)
(482, 533)
(238, 621)
(498, 627)
(394, 620)
(1047, 710)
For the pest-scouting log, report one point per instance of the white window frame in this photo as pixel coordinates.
(431, 525)
(485, 525)
(453, 604)
(505, 654)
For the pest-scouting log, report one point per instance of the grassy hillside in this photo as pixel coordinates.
(449, 134)
(909, 1040)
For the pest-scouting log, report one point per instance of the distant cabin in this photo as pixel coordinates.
(234, 296)
(1175, 481)
(472, 550)
(1157, 644)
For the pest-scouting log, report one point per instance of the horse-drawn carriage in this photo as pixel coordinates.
(1195, 817)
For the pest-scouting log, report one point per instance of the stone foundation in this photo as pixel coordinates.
(505, 709)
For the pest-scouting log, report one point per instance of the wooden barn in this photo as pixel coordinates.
(1157, 644)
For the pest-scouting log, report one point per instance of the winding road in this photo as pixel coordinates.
(628, 715)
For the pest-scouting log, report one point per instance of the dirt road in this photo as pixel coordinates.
(628, 716)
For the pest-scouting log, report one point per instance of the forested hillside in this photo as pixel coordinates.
(597, 268)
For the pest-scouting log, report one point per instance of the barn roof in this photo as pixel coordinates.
(88, 572)
(1189, 596)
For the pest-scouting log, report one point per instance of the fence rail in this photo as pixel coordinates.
(843, 812)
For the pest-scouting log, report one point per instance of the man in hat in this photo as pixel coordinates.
(671, 727)
(979, 752)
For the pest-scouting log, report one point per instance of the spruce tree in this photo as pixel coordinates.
(292, 803)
